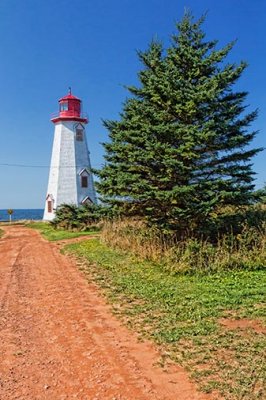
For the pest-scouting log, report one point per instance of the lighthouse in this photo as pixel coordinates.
(70, 178)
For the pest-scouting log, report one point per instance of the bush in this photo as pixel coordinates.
(72, 217)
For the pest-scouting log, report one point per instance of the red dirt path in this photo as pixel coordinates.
(59, 339)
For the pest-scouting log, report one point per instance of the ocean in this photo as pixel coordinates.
(18, 214)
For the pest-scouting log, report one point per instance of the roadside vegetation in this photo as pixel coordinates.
(234, 240)
(50, 233)
(243, 247)
(83, 218)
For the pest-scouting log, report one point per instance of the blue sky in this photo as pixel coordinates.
(46, 46)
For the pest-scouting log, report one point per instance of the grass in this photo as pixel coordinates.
(245, 250)
(181, 312)
(51, 234)
(1, 232)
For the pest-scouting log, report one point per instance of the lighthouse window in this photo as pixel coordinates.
(79, 134)
(64, 106)
(49, 206)
(84, 181)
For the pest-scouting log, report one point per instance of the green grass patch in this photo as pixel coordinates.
(180, 313)
(52, 234)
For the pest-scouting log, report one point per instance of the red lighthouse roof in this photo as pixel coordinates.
(69, 96)
(70, 109)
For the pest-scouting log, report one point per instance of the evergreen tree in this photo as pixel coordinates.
(181, 147)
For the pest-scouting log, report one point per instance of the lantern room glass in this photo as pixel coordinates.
(64, 106)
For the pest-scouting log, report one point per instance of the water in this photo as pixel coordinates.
(18, 214)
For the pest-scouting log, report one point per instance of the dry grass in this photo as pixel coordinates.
(245, 250)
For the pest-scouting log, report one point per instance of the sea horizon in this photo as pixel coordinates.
(22, 214)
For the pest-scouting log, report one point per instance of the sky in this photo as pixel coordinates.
(90, 45)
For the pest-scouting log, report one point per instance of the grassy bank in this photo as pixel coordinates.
(1, 232)
(245, 249)
(52, 234)
(183, 313)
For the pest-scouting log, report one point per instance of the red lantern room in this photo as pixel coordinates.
(69, 109)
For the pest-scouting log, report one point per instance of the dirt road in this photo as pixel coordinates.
(59, 340)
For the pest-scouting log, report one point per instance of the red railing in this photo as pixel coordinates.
(69, 114)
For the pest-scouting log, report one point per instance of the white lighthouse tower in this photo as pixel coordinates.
(70, 178)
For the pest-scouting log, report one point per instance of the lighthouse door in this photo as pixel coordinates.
(50, 202)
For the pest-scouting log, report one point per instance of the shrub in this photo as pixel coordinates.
(72, 217)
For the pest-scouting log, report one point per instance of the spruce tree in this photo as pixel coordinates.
(181, 147)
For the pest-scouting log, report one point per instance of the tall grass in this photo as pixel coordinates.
(230, 251)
